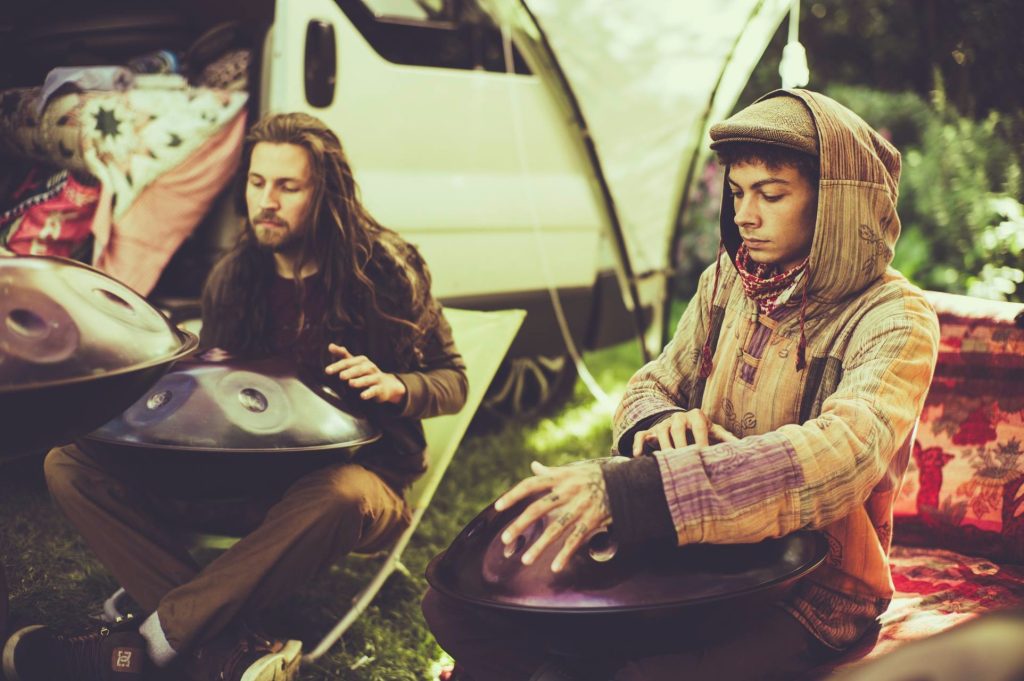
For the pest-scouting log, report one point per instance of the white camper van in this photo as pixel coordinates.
(538, 152)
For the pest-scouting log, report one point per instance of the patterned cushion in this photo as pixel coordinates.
(124, 139)
(52, 215)
(935, 590)
(964, 489)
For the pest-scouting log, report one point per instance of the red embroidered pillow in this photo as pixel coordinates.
(964, 488)
(53, 214)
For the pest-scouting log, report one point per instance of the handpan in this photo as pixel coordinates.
(215, 417)
(76, 348)
(218, 404)
(604, 580)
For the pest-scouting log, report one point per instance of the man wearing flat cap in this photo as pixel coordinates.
(785, 401)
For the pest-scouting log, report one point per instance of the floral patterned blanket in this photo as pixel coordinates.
(935, 590)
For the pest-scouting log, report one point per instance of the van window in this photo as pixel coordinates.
(453, 34)
(406, 9)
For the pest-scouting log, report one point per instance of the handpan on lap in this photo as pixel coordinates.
(602, 581)
(220, 405)
(215, 424)
(76, 347)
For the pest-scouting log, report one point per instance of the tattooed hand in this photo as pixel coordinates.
(576, 501)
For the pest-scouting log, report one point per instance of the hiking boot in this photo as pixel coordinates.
(116, 652)
(247, 657)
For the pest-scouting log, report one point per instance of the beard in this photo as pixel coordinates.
(274, 234)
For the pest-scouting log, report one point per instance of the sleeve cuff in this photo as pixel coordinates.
(625, 444)
(637, 502)
(415, 389)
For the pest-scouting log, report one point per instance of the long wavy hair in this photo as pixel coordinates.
(365, 268)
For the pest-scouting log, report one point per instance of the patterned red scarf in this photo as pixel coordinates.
(767, 289)
(763, 283)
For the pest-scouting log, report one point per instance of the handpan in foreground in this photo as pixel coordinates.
(217, 420)
(602, 580)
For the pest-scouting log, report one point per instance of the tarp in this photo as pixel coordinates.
(650, 77)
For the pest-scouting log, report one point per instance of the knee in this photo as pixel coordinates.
(344, 491)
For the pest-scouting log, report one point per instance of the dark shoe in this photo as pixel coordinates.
(249, 657)
(112, 653)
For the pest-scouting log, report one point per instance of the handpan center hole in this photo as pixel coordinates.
(601, 547)
(159, 399)
(112, 297)
(253, 400)
(26, 323)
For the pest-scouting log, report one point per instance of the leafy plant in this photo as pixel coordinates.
(963, 223)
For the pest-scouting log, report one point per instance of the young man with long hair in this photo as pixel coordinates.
(313, 277)
(786, 400)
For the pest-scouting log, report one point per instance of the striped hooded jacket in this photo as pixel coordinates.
(824, 447)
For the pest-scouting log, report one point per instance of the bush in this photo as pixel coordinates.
(963, 229)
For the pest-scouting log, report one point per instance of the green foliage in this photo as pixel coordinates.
(961, 186)
(900, 116)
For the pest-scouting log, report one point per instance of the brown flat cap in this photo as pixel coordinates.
(782, 121)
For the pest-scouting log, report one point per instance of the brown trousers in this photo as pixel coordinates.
(291, 533)
(758, 643)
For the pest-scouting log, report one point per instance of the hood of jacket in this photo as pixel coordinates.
(856, 226)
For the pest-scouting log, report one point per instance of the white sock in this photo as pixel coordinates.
(157, 646)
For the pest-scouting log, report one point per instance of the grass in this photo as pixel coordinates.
(54, 579)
